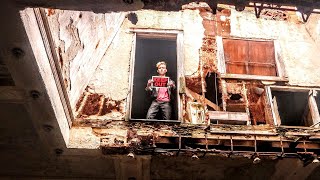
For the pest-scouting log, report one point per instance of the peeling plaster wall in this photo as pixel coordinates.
(81, 39)
(112, 76)
(313, 27)
(299, 50)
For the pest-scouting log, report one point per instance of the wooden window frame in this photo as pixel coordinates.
(311, 102)
(281, 74)
(156, 34)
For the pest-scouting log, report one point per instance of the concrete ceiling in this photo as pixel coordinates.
(32, 146)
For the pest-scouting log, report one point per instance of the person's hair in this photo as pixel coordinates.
(160, 63)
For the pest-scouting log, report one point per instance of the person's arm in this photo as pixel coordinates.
(149, 88)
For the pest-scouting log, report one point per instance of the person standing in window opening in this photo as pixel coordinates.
(161, 95)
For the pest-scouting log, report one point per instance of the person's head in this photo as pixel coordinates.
(162, 68)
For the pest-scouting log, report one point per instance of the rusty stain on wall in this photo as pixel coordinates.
(93, 104)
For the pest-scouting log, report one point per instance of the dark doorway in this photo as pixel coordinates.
(213, 93)
(148, 53)
(291, 107)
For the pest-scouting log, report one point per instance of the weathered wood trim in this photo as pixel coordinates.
(293, 88)
(164, 34)
(253, 77)
(232, 116)
(155, 31)
(276, 110)
(314, 109)
(224, 94)
(180, 72)
(132, 61)
(278, 58)
(220, 55)
(281, 70)
(54, 61)
(270, 101)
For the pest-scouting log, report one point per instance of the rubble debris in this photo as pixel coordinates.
(147, 138)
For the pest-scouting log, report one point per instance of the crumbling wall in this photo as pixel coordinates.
(81, 39)
(298, 49)
(112, 76)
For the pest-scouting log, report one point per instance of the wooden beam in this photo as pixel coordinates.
(201, 99)
(11, 94)
(253, 77)
(231, 116)
(314, 111)
(292, 88)
(276, 111)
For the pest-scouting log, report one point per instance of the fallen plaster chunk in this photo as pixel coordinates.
(83, 138)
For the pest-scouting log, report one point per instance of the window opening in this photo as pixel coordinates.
(292, 108)
(213, 93)
(148, 52)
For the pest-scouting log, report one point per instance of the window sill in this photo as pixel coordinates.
(155, 120)
(253, 77)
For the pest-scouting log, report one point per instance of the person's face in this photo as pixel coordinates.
(162, 70)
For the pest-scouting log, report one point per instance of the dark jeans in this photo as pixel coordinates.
(157, 106)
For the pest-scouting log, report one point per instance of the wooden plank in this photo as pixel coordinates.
(220, 55)
(261, 52)
(180, 72)
(201, 99)
(132, 61)
(279, 144)
(235, 51)
(224, 94)
(314, 111)
(231, 116)
(308, 146)
(11, 94)
(292, 88)
(276, 111)
(279, 60)
(150, 31)
(253, 77)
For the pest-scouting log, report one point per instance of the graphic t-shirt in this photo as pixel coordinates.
(163, 94)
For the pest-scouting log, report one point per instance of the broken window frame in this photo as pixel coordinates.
(281, 74)
(164, 34)
(313, 107)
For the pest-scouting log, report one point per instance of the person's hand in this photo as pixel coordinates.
(170, 83)
(150, 81)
